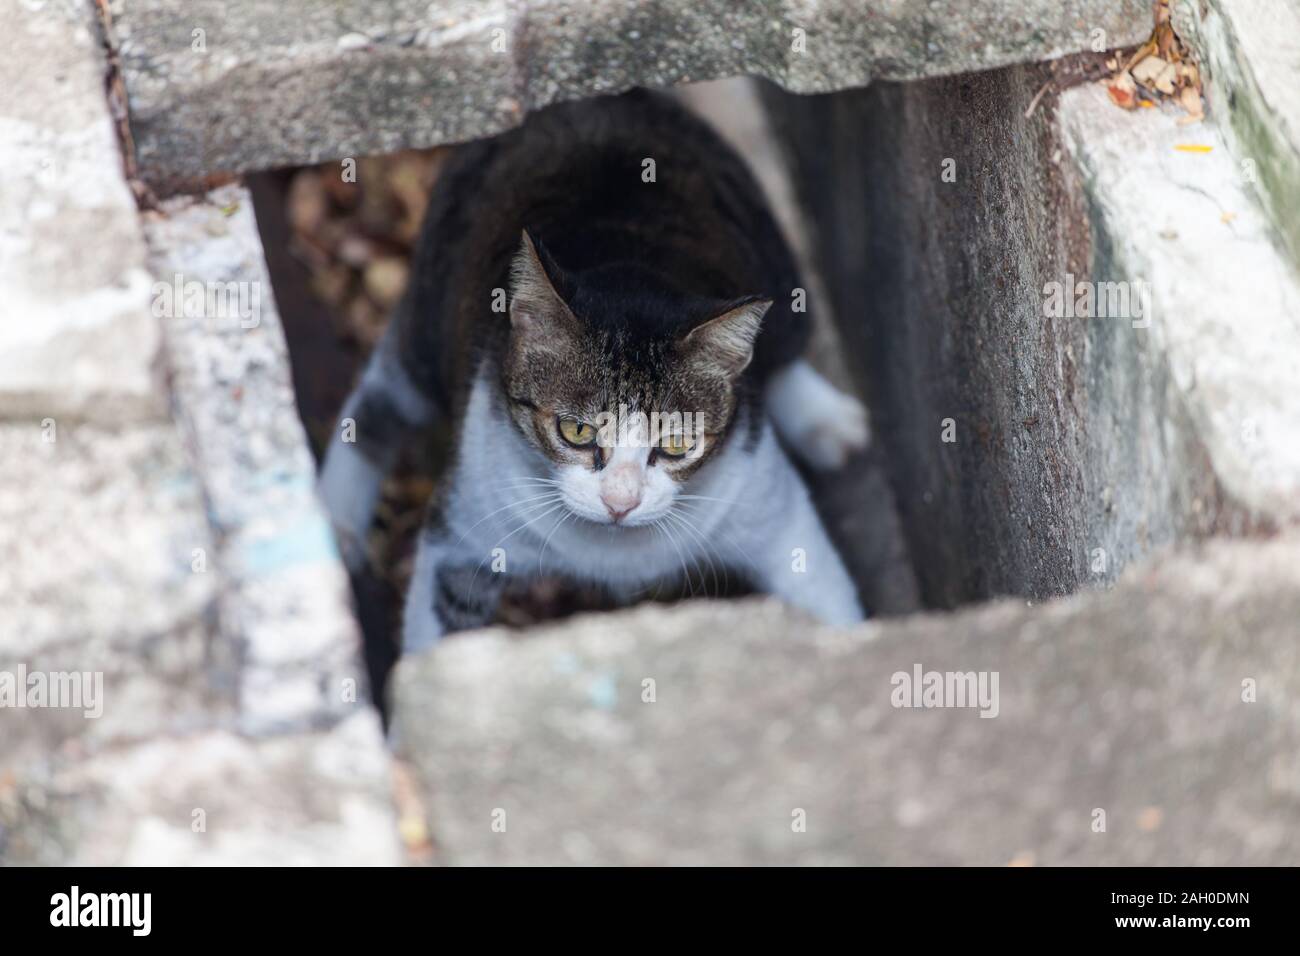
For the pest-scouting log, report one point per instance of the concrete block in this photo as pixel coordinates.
(1165, 703)
(76, 336)
(355, 79)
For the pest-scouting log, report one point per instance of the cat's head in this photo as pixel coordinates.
(626, 386)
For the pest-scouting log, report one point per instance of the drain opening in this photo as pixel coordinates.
(932, 286)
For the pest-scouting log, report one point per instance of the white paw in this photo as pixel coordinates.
(820, 424)
(839, 429)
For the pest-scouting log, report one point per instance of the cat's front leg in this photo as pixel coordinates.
(451, 589)
(795, 559)
(386, 406)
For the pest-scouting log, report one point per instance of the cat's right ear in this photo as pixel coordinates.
(538, 312)
(726, 341)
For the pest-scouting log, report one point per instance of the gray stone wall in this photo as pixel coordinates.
(161, 548)
(937, 289)
(352, 79)
(1077, 444)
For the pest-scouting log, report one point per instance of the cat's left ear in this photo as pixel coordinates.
(726, 341)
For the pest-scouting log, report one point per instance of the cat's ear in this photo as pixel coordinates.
(726, 341)
(538, 312)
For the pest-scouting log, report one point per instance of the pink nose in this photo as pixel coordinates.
(618, 507)
(620, 489)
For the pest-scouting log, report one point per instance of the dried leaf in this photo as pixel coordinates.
(1166, 41)
(1144, 51)
(1148, 70)
(1157, 70)
(1123, 91)
(1166, 80)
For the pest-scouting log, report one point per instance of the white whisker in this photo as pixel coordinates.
(541, 558)
(723, 501)
(502, 541)
(681, 556)
(512, 504)
(685, 525)
(740, 553)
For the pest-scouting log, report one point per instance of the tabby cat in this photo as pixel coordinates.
(603, 306)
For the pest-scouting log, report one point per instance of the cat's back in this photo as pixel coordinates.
(634, 178)
(638, 171)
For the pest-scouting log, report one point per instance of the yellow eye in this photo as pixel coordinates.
(675, 445)
(575, 432)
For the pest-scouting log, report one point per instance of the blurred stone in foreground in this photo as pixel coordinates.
(1128, 702)
(160, 539)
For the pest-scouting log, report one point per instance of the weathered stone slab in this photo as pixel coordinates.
(210, 799)
(1136, 702)
(76, 338)
(1033, 452)
(1250, 51)
(201, 586)
(351, 79)
(942, 212)
(100, 511)
(285, 601)
(1169, 208)
(174, 633)
(98, 529)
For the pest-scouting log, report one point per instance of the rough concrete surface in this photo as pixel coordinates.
(1250, 50)
(100, 509)
(74, 341)
(1077, 445)
(173, 570)
(1130, 702)
(937, 286)
(352, 79)
(284, 601)
(209, 798)
(1225, 299)
(97, 530)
